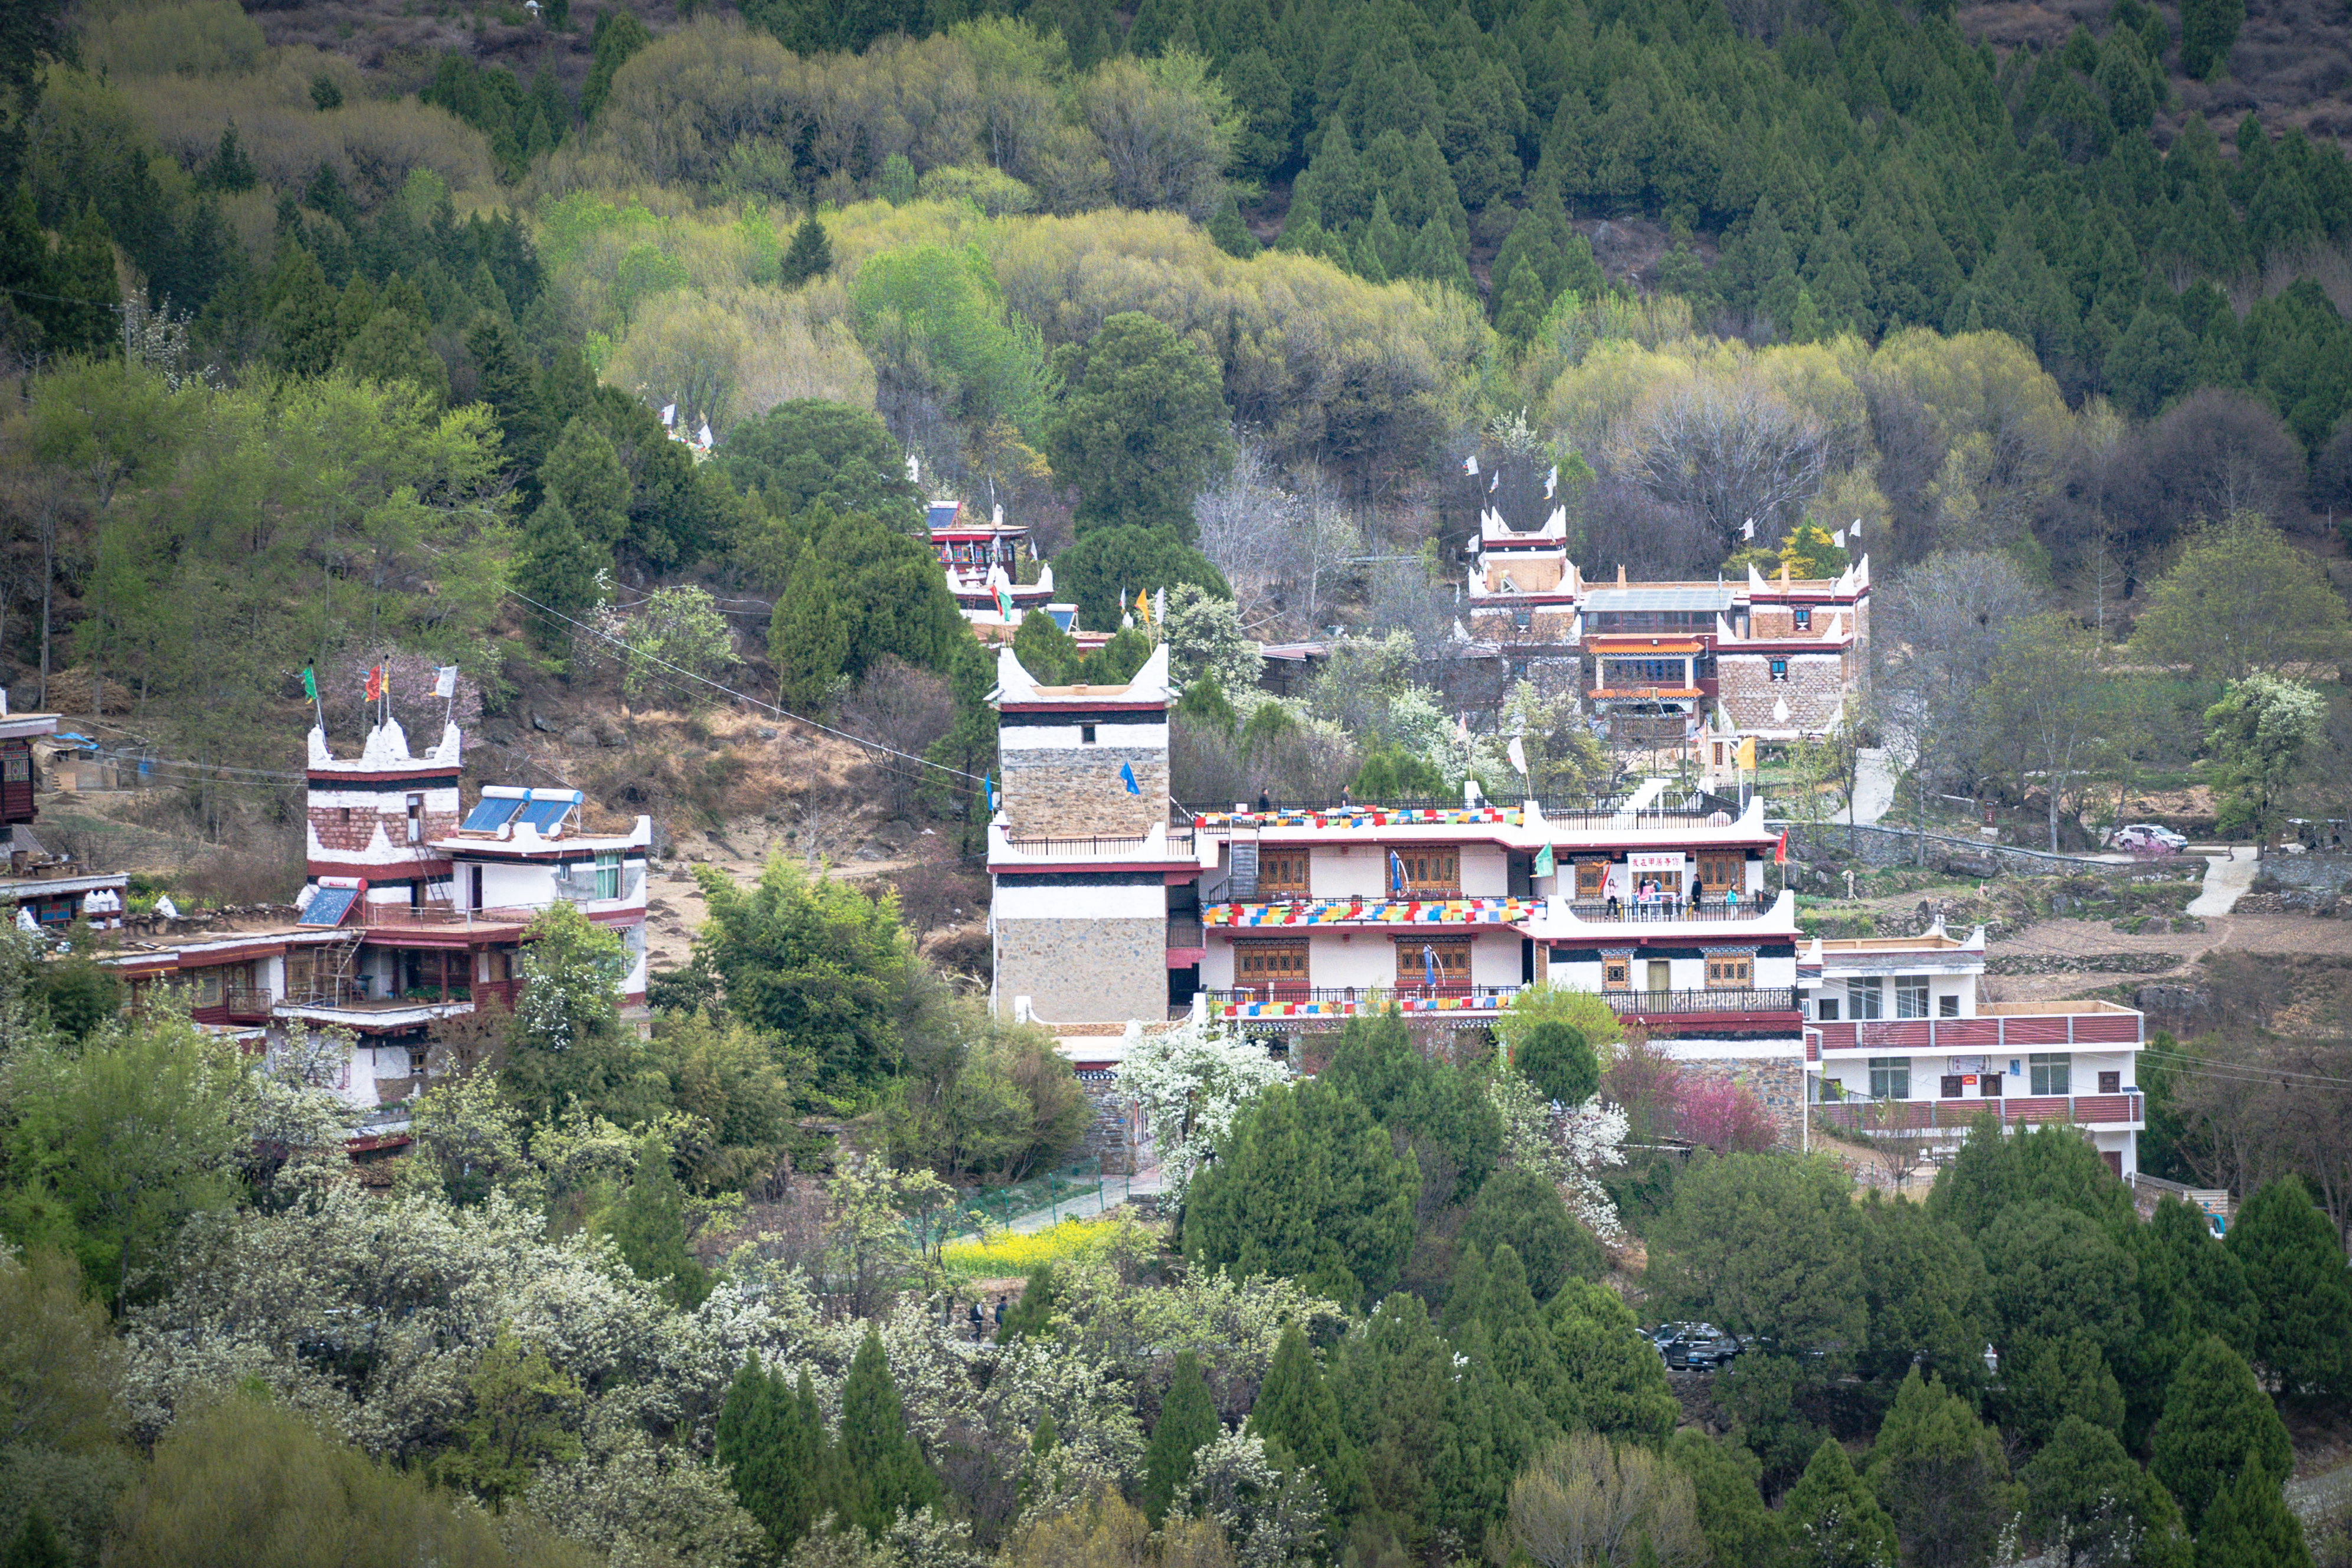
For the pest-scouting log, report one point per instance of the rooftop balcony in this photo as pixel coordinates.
(1998, 1026)
(1174, 846)
(2111, 1112)
(1667, 1009)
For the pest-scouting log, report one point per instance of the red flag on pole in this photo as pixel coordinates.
(1780, 849)
(375, 683)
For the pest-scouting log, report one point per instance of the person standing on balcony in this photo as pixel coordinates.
(1697, 894)
(1731, 901)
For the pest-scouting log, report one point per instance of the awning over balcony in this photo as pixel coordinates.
(1374, 911)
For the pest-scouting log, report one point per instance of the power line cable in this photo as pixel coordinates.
(746, 697)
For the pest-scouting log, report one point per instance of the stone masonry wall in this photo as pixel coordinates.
(1894, 846)
(1815, 690)
(1111, 1137)
(1085, 971)
(1067, 794)
(352, 838)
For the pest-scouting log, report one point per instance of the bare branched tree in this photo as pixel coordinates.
(1728, 449)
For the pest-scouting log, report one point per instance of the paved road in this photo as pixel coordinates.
(2227, 876)
(1873, 785)
(1087, 1202)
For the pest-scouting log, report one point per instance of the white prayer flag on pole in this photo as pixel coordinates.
(1519, 755)
(669, 414)
(1495, 481)
(1551, 482)
(706, 432)
(1748, 529)
(1470, 465)
(445, 684)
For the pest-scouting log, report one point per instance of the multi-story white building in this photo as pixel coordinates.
(1896, 1040)
(1674, 663)
(1289, 919)
(413, 912)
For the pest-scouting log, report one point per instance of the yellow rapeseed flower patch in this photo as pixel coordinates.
(1007, 1253)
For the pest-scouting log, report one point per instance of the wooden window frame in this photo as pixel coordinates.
(1408, 961)
(1616, 974)
(1721, 870)
(1731, 972)
(1419, 880)
(1265, 979)
(1597, 886)
(1272, 862)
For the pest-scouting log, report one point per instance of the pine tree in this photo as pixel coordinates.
(83, 320)
(302, 311)
(2215, 1414)
(771, 1439)
(1939, 1473)
(1343, 196)
(1436, 255)
(1187, 1421)
(1832, 1519)
(2084, 1492)
(1231, 235)
(1557, 1058)
(1724, 1478)
(2249, 1525)
(809, 256)
(2294, 1266)
(1296, 1409)
(586, 471)
(1519, 303)
(808, 642)
(2207, 30)
(1383, 245)
(506, 380)
(1527, 1358)
(881, 1467)
(649, 1227)
(228, 169)
(557, 570)
(1032, 1315)
(1045, 650)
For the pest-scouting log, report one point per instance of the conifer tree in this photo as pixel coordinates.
(586, 471)
(771, 1443)
(2190, 1284)
(1187, 1421)
(1033, 1314)
(82, 319)
(1485, 1442)
(2207, 30)
(228, 169)
(2249, 1525)
(807, 639)
(558, 569)
(2215, 1415)
(1296, 1409)
(881, 1468)
(1519, 303)
(509, 383)
(2087, 1501)
(1940, 1473)
(649, 1227)
(302, 311)
(1045, 650)
(1832, 1520)
(1382, 243)
(1231, 235)
(1559, 1061)
(392, 347)
(809, 256)
(2294, 1267)
(1611, 1380)
(1731, 1514)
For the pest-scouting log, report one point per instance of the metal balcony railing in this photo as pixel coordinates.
(1634, 910)
(1729, 1000)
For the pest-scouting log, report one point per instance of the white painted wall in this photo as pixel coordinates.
(1485, 872)
(1348, 870)
(1019, 898)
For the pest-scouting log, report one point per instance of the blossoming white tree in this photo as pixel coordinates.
(1190, 1080)
(1569, 1148)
